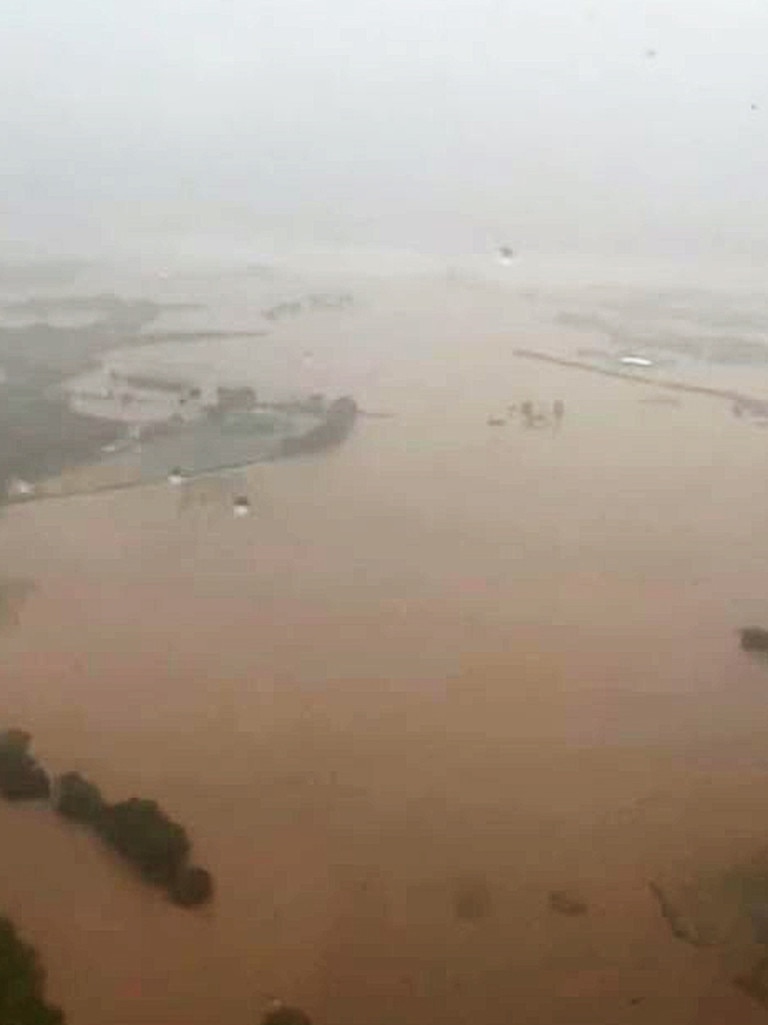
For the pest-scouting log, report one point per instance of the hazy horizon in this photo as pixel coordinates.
(618, 129)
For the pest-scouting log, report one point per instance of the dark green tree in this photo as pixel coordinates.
(22, 979)
(78, 799)
(21, 778)
(281, 1014)
(192, 886)
(139, 830)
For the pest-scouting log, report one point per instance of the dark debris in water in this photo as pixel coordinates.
(565, 903)
(675, 911)
(755, 982)
(281, 1014)
(471, 898)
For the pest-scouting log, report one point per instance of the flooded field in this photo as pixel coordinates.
(435, 715)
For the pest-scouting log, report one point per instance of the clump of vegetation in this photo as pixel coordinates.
(21, 983)
(754, 638)
(21, 778)
(281, 1014)
(332, 430)
(471, 898)
(139, 830)
(565, 903)
(78, 799)
(193, 885)
(142, 833)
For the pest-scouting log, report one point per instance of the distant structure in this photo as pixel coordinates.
(636, 361)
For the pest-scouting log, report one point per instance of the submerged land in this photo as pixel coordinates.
(459, 716)
(65, 406)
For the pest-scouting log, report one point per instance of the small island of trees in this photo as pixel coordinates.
(332, 430)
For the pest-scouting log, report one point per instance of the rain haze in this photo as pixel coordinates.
(605, 127)
(383, 610)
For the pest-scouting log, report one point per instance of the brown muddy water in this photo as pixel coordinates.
(444, 660)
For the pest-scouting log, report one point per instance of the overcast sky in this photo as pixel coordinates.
(595, 125)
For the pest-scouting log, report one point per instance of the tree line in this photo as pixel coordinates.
(137, 829)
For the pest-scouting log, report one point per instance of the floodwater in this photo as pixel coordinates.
(443, 656)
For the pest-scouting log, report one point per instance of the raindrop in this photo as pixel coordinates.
(241, 506)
